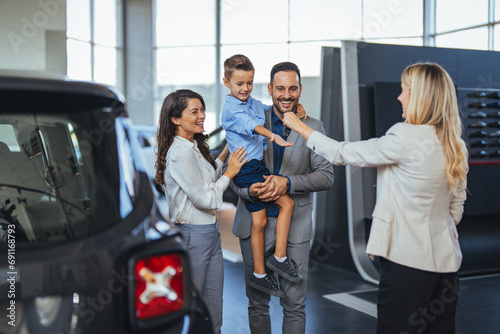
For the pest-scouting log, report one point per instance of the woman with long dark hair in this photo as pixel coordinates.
(194, 185)
(421, 182)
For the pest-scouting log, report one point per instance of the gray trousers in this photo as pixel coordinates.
(294, 314)
(207, 266)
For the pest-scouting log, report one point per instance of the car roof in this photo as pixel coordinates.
(19, 93)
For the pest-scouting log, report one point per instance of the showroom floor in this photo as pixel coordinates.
(354, 308)
(341, 302)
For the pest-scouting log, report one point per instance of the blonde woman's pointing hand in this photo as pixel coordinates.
(291, 121)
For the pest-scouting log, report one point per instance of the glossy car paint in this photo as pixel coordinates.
(85, 285)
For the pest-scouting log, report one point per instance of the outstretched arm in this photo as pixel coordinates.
(272, 136)
(291, 121)
(372, 152)
(315, 174)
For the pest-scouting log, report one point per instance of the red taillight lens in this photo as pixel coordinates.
(159, 286)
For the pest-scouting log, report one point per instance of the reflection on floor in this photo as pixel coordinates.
(230, 243)
(341, 302)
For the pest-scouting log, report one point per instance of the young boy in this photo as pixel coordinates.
(243, 120)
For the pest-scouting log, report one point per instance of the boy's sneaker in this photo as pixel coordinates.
(286, 269)
(267, 284)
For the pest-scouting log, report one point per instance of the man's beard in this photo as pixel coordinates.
(294, 104)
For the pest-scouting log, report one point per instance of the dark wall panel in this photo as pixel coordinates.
(331, 242)
(379, 72)
(377, 62)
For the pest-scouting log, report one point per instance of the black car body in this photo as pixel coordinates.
(84, 246)
(216, 142)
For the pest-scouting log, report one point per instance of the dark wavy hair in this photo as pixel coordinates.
(173, 106)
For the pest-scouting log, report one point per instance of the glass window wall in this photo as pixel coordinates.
(465, 39)
(389, 18)
(78, 19)
(415, 41)
(79, 60)
(105, 22)
(191, 68)
(263, 57)
(186, 65)
(269, 32)
(105, 69)
(496, 42)
(187, 22)
(92, 44)
(256, 21)
(457, 14)
(302, 53)
(332, 19)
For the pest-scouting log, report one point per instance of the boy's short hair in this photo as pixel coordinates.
(237, 62)
(286, 66)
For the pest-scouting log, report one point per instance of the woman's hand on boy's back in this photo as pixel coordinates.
(235, 162)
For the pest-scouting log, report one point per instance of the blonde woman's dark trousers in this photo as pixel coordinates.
(413, 301)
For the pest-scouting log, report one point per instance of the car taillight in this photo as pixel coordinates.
(159, 286)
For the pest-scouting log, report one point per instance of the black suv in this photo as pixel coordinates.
(84, 247)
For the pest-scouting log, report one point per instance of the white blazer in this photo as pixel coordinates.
(415, 217)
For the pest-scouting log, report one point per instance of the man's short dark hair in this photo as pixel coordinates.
(237, 62)
(285, 66)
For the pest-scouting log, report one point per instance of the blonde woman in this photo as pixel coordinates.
(421, 181)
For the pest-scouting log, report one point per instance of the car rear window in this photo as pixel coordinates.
(59, 175)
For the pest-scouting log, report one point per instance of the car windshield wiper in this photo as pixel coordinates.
(33, 190)
(37, 137)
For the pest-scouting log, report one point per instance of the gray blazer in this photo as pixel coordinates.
(307, 171)
(415, 218)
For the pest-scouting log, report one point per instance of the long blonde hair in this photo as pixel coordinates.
(433, 101)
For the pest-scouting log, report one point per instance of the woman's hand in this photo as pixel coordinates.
(291, 121)
(235, 162)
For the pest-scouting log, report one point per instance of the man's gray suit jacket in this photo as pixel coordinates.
(308, 172)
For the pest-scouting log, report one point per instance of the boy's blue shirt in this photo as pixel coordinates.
(239, 120)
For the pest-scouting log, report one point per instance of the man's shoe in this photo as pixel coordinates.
(286, 269)
(268, 284)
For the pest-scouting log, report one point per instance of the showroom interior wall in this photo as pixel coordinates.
(139, 73)
(267, 32)
(148, 48)
(363, 80)
(33, 36)
(162, 45)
